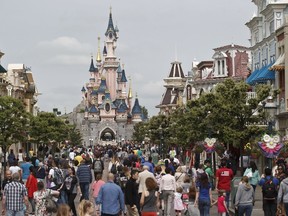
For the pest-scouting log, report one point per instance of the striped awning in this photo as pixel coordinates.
(279, 64)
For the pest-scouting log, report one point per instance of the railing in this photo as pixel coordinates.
(251, 95)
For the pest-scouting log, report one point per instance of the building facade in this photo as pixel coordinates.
(18, 82)
(107, 114)
(267, 40)
(174, 86)
(230, 61)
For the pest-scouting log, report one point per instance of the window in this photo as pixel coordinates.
(219, 67)
(271, 27)
(223, 67)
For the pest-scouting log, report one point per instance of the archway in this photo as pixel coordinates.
(107, 135)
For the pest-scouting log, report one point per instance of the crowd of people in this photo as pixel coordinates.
(132, 181)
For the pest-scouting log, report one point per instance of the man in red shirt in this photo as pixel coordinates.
(224, 177)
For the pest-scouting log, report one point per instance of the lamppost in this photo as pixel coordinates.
(270, 108)
(161, 152)
(91, 141)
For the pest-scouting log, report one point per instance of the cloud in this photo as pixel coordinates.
(150, 89)
(65, 43)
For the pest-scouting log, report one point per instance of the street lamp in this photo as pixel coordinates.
(161, 152)
(91, 142)
(270, 108)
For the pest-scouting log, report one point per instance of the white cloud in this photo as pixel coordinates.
(70, 59)
(65, 43)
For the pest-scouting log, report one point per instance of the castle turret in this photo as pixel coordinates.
(110, 62)
(136, 111)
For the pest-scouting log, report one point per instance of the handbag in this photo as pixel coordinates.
(51, 205)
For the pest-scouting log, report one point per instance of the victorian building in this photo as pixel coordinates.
(268, 29)
(174, 84)
(107, 114)
(18, 82)
(230, 61)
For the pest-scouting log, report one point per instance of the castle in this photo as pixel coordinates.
(106, 114)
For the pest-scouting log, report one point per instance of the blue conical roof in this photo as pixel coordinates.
(103, 86)
(83, 89)
(86, 109)
(92, 67)
(122, 108)
(104, 50)
(123, 77)
(136, 108)
(94, 92)
(119, 70)
(93, 109)
(110, 27)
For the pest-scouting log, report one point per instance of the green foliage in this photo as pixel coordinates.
(74, 136)
(225, 114)
(14, 121)
(47, 127)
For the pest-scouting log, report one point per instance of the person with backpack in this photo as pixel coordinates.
(269, 186)
(98, 166)
(85, 178)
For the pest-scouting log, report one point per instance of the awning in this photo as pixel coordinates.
(261, 75)
(250, 78)
(279, 64)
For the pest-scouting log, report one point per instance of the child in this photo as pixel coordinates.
(178, 203)
(222, 207)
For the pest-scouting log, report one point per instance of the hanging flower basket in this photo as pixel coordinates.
(209, 145)
(270, 145)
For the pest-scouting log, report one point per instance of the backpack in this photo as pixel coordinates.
(58, 178)
(98, 166)
(113, 169)
(269, 189)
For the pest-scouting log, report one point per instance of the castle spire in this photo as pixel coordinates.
(130, 95)
(98, 59)
(92, 67)
(110, 27)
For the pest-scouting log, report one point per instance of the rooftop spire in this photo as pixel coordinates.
(98, 59)
(110, 27)
(92, 67)
(130, 95)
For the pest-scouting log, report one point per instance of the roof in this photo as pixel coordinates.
(170, 96)
(110, 27)
(176, 70)
(136, 108)
(123, 77)
(119, 70)
(86, 109)
(92, 67)
(104, 50)
(93, 109)
(103, 86)
(94, 92)
(230, 46)
(2, 70)
(122, 108)
(83, 89)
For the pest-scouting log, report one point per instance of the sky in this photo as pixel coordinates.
(56, 39)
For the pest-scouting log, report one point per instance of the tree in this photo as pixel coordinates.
(14, 123)
(48, 128)
(74, 136)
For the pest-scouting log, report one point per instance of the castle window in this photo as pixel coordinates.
(107, 107)
(219, 67)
